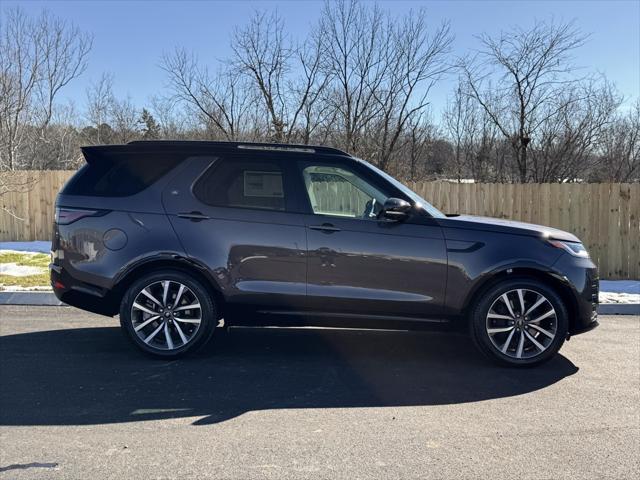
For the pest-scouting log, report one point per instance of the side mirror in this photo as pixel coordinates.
(396, 209)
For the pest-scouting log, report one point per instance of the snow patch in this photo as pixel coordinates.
(611, 297)
(17, 288)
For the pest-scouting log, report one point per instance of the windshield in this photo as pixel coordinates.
(419, 201)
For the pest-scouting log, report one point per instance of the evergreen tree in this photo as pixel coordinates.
(150, 128)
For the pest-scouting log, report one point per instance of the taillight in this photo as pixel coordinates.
(65, 216)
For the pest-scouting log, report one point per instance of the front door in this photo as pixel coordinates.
(361, 267)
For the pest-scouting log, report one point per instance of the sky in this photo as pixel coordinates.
(131, 36)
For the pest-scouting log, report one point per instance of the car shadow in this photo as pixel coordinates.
(93, 376)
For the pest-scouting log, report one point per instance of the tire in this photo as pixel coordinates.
(176, 331)
(508, 337)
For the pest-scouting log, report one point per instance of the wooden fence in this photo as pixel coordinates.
(605, 216)
(26, 210)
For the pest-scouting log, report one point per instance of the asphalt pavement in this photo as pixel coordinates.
(77, 401)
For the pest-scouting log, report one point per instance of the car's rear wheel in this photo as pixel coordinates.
(168, 314)
(519, 322)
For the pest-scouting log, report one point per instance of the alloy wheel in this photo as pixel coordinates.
(166, 315)
(521, 323)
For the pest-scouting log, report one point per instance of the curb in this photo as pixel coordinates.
(30, 298)
(619, 309)
(48, 299)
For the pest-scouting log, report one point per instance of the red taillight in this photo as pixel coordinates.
(65, 216)
(58, 285)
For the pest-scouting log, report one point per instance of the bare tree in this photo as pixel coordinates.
(219, 100)
(309, 112)
(38, 58)
(125, 118)
(261, 52)
(517, 77)
(287, 79)
(620, 148)
(416, 61)
(381, 72)
(566, 147)
(57, 146)
(473, 136)
(171, 119)
(98, 109)
(354, 49)
(459, 120)
(360, 80)
(419, 143)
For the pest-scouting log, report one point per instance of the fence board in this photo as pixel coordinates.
(634, 230)
(605, 216)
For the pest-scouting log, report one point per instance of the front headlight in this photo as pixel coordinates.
(574, 248)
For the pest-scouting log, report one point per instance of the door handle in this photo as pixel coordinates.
(325, 227)
(194, 216)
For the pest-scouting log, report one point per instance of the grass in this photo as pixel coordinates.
(40, 260)
(26, 259)
(40, 280)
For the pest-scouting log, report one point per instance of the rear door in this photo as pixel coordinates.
(237, 219)
(361, 267)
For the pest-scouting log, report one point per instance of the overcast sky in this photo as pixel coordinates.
(130, 37)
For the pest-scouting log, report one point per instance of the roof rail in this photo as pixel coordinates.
(246, 145)
(299, 148)
(288, 148)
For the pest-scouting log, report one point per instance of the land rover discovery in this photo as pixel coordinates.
(174, 236)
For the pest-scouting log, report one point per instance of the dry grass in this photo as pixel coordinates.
(40, 280)
(26, 259)
(40, 260)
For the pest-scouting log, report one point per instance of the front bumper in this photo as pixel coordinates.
(586, 328)
(580, 276)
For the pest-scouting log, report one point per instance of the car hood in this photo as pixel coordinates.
(506, 226)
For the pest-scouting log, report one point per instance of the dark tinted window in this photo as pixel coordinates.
(244, 184)
(118, 178)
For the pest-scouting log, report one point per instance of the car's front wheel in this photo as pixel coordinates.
(168, 314)
(519, 322)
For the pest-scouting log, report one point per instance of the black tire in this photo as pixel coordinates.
(480, 323)
(193, 291)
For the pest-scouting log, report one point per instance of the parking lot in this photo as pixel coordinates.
(76, 401)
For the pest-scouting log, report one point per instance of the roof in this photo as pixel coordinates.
(174, 148)
(242, 145)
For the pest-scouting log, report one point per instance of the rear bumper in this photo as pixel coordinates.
(78, 295)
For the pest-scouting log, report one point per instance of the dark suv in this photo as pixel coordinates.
(175, 236)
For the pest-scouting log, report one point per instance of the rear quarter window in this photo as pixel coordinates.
(242, 184)
(120, 178)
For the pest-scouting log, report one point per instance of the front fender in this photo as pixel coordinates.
(494, 254)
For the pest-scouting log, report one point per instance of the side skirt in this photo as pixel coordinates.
(277, 318)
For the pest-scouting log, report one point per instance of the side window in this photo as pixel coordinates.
(242, 184)
(339, 192)
(119, 178)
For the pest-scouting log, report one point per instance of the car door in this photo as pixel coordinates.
(237, 221)
(361, 267)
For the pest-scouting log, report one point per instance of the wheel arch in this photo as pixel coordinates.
(556, 282)
(177, 263)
